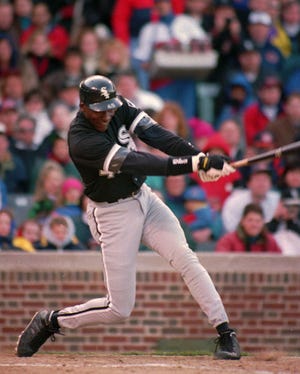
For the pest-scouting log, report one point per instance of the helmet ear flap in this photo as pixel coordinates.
(99, 93)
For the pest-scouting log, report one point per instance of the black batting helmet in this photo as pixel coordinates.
(99, 93)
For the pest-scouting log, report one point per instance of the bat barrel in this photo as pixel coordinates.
(274, 153)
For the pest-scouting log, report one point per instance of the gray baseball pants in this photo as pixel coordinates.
(119, 228)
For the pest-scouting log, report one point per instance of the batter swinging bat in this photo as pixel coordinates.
(274, 153)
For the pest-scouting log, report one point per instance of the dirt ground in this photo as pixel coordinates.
(75, 363)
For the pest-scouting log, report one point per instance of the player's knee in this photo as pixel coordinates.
(122, 314)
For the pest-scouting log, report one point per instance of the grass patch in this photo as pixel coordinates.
(187, 347)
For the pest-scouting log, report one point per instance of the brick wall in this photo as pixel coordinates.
(261, 294)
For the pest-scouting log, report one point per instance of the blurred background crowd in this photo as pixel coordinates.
(223, 74)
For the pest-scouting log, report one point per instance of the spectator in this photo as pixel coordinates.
(22, 15)
(12, 169)
(286, 129)
(200, 131)
(94, 13)
(285, 226)
(237, 96)
(58, 234)
(127, 85)
(35, 106)
(258, 190)
(7, 231)
(291, 75)
(73, 206)
(227, 35)
(259, 29)
(68, 94)
(114, 57)
(232, 132)
(249, 62)
(8, 117)
(172, 118)
(128, 17)
(204, 223)
(289, 185)
(189, 28)
(174, 188)
(264, 142)
(60, 117)
(278, 36)
(60, 154)
(89, 47)
(7, 27)
(250, 236)
(13, 89)
(42, 21)
(266, 109)
(23, 144)
(201, 11)
(217, 191)
(47, 193)
(38, 53)
(10, 64)
(152, 36)
(3, 195)
(71, 73)
(29, 235)
(290, 22)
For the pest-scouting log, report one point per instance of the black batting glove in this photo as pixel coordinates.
(212, 162)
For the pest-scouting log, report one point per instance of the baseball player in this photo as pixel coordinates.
(123, 212)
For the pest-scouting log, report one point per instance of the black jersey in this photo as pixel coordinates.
(108, 162)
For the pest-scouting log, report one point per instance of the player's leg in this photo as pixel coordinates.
(163, 233)
(118, 228)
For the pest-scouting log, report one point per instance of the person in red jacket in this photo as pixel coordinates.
(218, 191)
(250, 236)
(129, 16)
(266, 109)
(57, 35)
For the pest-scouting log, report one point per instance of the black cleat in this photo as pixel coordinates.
(227, 347)
(35, 334)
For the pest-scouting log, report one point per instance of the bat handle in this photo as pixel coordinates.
(240, 163)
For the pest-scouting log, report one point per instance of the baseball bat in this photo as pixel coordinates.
(274, 153)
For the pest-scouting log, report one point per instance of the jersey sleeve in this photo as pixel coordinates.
(151, 133)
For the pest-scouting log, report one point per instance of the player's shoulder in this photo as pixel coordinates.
(128, 111)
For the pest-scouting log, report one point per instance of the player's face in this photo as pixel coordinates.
(100, 120)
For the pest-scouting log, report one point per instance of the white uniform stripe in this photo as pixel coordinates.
(110, 156)
(136, 121)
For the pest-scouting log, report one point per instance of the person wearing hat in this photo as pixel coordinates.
(267, 108)
(72, 207)
(204, 223)
(259, 27)
(237, 96)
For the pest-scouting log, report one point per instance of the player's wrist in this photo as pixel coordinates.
(196, 161)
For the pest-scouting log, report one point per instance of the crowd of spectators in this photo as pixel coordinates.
(48, 47)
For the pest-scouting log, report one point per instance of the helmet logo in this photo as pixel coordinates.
(104, 92)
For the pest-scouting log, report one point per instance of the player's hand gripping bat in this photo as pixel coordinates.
(274, 153)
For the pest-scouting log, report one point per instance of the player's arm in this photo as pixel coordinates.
(121, 159)
(151, 133)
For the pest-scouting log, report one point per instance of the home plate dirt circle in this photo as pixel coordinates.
(81, 363)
